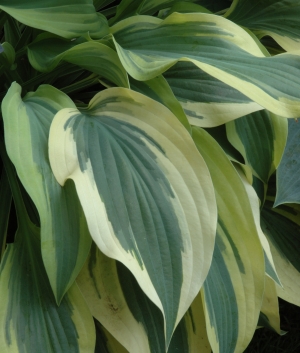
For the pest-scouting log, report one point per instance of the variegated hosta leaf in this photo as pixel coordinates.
(260, 137)
(190, 335)
(234, 286)
(269, 312)
(105, 342)
(277, 18)
(122, 316)
(255, 206)
(116, 300)
(282, 227)
(152, 6)
(288, 182)
(65, 244)
(48, 51)
(182, 7)
(159, 90)
(219, 134)
(65, 18)
(145, 190)
(206, 101)
(148, 46)
(185, 6)
(30, 320)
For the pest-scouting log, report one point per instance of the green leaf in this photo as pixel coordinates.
(159, 90)
(219, 134)
(128, 8)
(116, 300)
(65, 244)
(5, 203)
(8, 52)
(65, 18)
(48, 51)
(269, 315)
(30, 320)
(207, 102)
(100, 4)
(277, 18)
(260, 137)
(283, 233)
(281, 226)
(183, 7)
(288, 183)
(108, 343)
(145, 190)
(233, 289)
(148, 46)
(255, 206)
(191, 328)
(11, 31)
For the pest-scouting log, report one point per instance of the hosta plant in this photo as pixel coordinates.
(149, 191)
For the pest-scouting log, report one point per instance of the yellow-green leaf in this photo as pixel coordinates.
(233, 290)
(65, 244)
(47, 51)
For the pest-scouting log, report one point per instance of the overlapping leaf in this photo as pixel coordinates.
(100, 284)
(277, 18)
(282, 227)
(148, 46)
(48, 51)
(116, 300)
(159, 90)
(255, 206)
(269, 312)
(128, 8)
(145, 190)
(62, 17)
(260, 137)
(30, 320)
(206, 101)
(219, 134)
(105, 342)
(182, 7)
(65, 243)
(288, 183)
(215, 5)
(234, 286)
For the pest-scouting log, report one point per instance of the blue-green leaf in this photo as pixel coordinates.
(206, 100)
(277, 18)
(148, 46)
(260, 137)
(288, 182)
